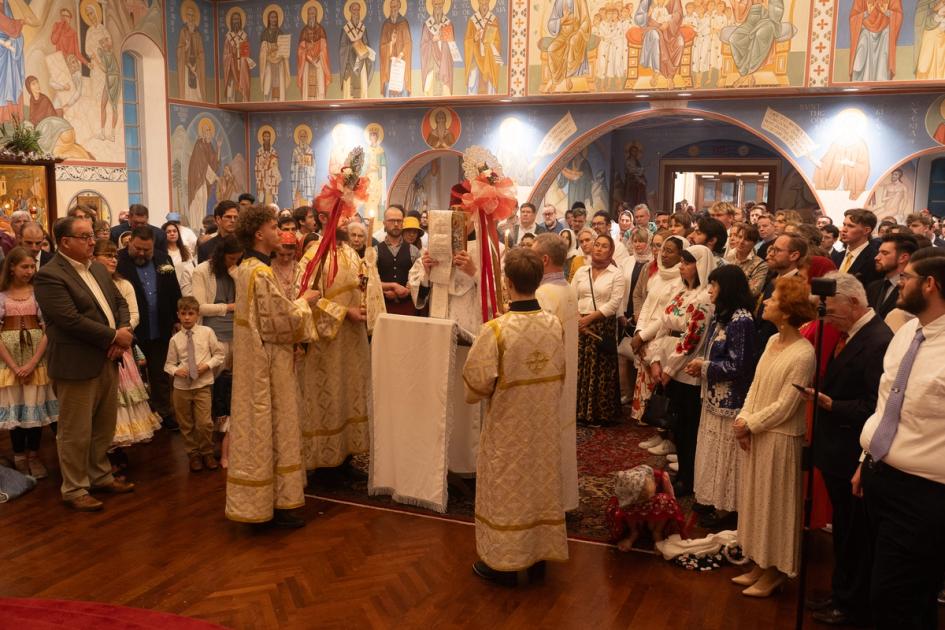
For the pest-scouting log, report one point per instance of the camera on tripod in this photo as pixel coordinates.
(823, 287)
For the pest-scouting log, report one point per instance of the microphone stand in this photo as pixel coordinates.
(807, 464)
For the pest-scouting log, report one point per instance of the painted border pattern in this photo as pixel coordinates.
(518, 47)
(73, 173)
(820, 49)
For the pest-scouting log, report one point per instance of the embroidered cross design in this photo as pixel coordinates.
(536, 361)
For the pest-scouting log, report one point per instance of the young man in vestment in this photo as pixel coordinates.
(517, 363)
(336, 370)
(559, 298)
(264, 476)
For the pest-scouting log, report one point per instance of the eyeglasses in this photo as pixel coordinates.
(905, 275)
(776, 250)
(85, 237)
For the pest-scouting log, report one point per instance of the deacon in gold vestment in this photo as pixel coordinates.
(336, 370)
(517, 363)
(265, 470)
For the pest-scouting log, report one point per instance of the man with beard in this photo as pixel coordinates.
(236, 60)
(902, 475)
(191, 73)
(202, 170)
(891, 260)
(481, 47)
(395, 258)
(436, 60)
(396, 43)
(312, 59)
(273, 67)
(151, 272)
(267, 170)
(356, 55)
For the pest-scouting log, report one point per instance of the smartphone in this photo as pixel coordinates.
(799, 388)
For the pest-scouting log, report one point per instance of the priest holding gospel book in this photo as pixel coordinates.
(519, 512)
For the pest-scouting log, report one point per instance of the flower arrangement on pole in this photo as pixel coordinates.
(339, 198)
(489, 197)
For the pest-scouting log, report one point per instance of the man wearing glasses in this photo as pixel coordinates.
(224, 215)
(87, 324)
(394, 260)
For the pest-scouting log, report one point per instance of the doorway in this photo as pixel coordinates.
(705, 182)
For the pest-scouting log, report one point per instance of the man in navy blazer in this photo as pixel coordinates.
(151, 272)
(848, 398)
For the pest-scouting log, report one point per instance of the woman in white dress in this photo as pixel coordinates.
(770, 431)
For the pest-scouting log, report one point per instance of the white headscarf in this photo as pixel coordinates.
(575, 248)
(705, 264)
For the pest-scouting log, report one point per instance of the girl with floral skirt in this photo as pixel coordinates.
(27, 401)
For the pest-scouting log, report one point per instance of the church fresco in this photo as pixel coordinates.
(592, 46)
(191, 73)
(362, 49)
(208, 159)
(889, 40)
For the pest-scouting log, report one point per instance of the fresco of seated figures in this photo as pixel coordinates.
(580, 46)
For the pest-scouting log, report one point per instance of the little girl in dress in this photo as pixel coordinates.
(644, 497)
(27, 401)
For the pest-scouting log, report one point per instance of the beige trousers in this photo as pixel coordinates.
(88, 410)
(192, 407)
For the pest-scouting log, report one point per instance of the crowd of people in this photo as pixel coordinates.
(700, 325)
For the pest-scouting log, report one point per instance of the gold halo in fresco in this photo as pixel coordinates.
(403, 8)
(190, 4)
(319, 11)
(280, 16)
(264, 128)
(360, 3)
(300, 128)
(238, 11)
(446, 6)
(374, 128)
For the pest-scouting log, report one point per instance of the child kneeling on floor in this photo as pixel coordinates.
(192, 355)
(644, 497)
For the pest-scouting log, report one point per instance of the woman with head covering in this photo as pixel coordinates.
(638, 243)
(567, 235)
(661, 288)
(600, 288)
(680, 337)
(585, 243)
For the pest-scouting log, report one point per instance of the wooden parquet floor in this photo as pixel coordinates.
(168, 547)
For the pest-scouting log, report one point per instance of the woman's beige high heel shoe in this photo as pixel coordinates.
(773, 580)
(747, 579)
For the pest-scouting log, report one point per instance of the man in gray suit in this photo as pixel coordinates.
(88, 329)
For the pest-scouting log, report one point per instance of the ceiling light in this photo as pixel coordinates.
(643, 96)
(685, 94)
(851, 89)
(698, 119)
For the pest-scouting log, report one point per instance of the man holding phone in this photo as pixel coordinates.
(847, 398)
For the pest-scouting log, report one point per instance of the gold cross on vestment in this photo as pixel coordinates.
(536, 361)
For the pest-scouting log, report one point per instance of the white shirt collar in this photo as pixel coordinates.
(856, 252)
(858, 324)
(76, 264)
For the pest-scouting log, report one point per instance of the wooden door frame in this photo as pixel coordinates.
(772, 166)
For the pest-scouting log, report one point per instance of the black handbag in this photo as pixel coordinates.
(608, 343)
(659, 411)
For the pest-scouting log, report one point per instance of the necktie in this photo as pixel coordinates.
(847, 261)
(886, 431)
(191, 356)
(841, 344)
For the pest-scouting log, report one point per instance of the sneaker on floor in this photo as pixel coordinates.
(651, 442)
(674, 466)
(663, 448)
(672, 458)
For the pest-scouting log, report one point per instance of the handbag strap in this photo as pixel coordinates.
(590, 279)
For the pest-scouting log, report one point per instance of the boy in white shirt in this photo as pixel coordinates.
(192, 356)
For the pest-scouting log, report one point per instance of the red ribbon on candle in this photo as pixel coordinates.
(338, 200)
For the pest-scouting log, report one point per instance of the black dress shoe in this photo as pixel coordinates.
(170, 423)
(837, 617)
(285, 519)
(819, 603)
(504, 578)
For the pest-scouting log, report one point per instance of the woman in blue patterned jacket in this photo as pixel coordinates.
(727, 370)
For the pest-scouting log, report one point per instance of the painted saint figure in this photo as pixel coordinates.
(266, 169)
(355, 52)
(893, 200)
(846, 164)
(930, 40)
(375, 169)
(578, 179)
(202, 171)
(396, 43)
(440, 136)
(662, 42)
(236, 60)
(569, 27)
(66, 40)
(12, 64)
(874, 32)
(273, 65)
(312, 57)
(96, 33)
(759, 26)
(482, 47)
(111, 88)
(302, 172)
(191, 71)
(436, 58)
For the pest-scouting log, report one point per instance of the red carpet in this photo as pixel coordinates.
(40, 614)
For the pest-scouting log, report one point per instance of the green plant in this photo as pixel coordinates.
(19, 138)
